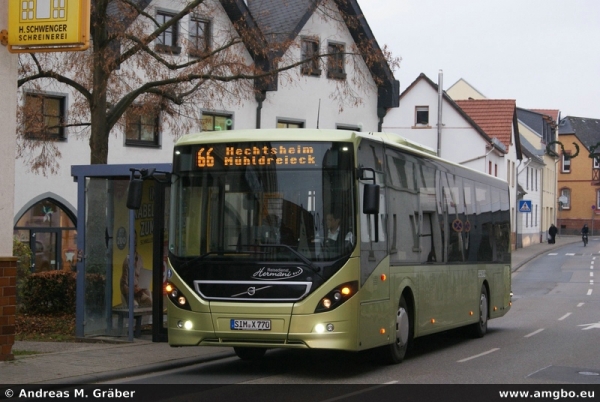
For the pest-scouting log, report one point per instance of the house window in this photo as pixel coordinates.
(422, 115)
(141, 126)
(348, 127)
(596, 163)
(199, 36)
(310, 52)
(565, 198)
(45, 116)
(566, 163)
(167, 41)
(335, 61)
(216, 122)
(289, 124)
(597, 200)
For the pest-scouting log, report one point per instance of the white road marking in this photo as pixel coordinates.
(570, 254)
(564, 316)
(589, 293)
(580, 304)
(552, 253)
(589, 326)
(479, 355)
(534, 332)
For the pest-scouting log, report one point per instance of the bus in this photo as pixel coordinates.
(330, 239)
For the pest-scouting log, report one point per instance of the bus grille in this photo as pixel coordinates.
(263, 291)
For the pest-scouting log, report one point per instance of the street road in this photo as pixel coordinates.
(550, 336)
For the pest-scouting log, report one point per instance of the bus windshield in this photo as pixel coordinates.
(268, 201)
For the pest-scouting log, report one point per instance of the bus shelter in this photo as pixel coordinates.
(116, 244)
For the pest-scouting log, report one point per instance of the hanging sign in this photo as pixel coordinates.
(48, 25)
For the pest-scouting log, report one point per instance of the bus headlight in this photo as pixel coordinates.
(176, 297)
(337, 296)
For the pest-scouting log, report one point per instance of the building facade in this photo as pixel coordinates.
(579, 174)
(337, 91)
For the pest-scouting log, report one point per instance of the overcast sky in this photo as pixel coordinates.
(543, 53)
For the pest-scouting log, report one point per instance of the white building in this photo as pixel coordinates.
(479, 133)
(349, 95)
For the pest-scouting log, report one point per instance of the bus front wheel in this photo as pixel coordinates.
(249, 353)
(396, 351)
(480, 327)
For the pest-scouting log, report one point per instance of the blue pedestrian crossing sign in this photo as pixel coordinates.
(525, 206)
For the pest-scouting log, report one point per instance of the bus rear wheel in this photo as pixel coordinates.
(479, 329)
(249, 353)
(396, 351)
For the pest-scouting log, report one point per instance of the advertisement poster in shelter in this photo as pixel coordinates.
(142, 247)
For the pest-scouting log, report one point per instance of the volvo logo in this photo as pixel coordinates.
(251, 291)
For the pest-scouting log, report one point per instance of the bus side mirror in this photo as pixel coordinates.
(371, 199)
(134, 193)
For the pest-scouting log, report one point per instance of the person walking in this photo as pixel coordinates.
(552, 234)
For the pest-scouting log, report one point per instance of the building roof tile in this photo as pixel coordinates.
(497, 117)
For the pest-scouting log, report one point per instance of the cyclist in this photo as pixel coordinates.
(584, 234)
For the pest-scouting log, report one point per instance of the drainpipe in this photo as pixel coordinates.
(381, 112)
(260, 97)
(439, 122)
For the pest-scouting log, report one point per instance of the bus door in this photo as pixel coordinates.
(374, 261)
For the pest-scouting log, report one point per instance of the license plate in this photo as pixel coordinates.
(250, 325)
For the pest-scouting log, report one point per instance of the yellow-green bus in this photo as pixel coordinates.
(330, 239)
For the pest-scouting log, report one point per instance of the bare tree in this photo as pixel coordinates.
(128, 65)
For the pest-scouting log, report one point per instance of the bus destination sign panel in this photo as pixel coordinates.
(235, 156)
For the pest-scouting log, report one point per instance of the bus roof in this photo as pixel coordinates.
(316, 135)
(303, 133)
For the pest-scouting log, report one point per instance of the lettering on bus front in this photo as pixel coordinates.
(258, 156)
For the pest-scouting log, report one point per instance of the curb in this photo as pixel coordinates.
(533, 256)
(136, 371)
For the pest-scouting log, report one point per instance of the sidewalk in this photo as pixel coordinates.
(86, 363)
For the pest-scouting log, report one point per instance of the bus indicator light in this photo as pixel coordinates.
(382, 331)
(433, 320)
(383, 277)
